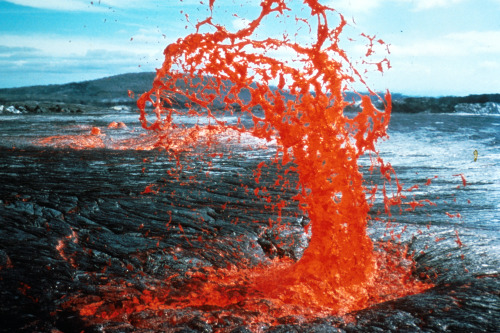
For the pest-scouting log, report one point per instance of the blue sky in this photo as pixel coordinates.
(437, 47)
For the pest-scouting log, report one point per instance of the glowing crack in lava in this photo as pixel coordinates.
(299, 105)
(313, 135)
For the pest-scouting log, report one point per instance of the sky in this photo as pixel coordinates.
(436, 47)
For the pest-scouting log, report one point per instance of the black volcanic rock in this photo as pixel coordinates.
(74, 222)
(485, 103)
(45, 107)
(66, 218)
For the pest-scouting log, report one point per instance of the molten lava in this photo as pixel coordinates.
(314, 137)
(298, 104)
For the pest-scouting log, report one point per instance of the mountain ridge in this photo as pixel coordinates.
(114, 90)
(109, 90)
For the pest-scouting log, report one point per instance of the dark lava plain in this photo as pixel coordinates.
(73, 221)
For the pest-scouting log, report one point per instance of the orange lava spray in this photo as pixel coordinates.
(314, 136)
(299, 105)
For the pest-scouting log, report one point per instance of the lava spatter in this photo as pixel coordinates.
(304, 114)
(232, 88)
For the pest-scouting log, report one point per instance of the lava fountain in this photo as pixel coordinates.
(218, 88)
(299, 103)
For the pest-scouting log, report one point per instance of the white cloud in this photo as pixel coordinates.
(457, 63)
(60, 5)
(145, 41)
(489, 65)
(59, 46)
(355, 6)
(451, 45)
(344, 6)
(80, 5)
(430, 4)
(78, 56)
(99, 5)
(478, 42)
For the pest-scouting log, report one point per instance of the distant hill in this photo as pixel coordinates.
(113, 90)
(106, 91)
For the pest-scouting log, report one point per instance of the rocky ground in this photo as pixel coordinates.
(74, 222)
(34, 107)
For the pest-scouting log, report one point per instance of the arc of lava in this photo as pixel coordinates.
(314, 136)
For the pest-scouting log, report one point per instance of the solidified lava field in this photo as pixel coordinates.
(78, 236)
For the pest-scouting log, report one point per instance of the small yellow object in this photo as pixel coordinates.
(475, 155)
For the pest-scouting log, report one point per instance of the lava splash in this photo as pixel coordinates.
(232, 86)
(305, 115)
